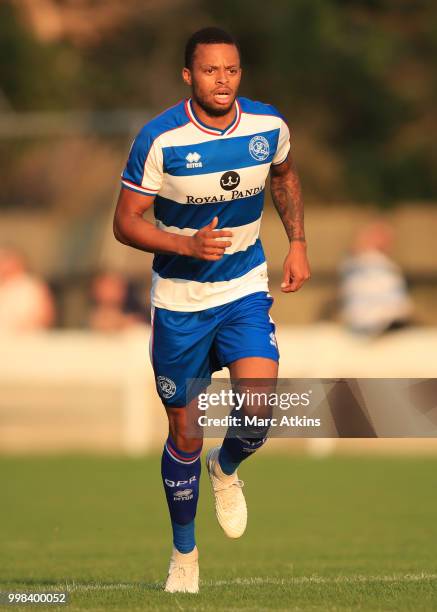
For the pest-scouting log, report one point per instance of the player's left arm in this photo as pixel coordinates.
(287, 198)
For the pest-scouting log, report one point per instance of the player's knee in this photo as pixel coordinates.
(183, 430)
(185, 443)
(184, 440)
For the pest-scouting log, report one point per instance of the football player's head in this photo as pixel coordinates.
(213, 70)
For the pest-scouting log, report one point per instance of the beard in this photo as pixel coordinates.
(212, 111)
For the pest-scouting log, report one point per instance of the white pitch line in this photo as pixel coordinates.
(256, 580)
(354, 579)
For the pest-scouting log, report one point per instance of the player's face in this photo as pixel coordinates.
(214, 77)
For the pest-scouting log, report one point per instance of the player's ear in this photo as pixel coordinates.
(186, 75)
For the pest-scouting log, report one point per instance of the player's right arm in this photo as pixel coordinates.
(132, 229)
(141, 181)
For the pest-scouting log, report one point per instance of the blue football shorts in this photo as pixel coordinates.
(193, 345)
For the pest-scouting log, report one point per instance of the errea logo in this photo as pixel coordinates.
(193, 160)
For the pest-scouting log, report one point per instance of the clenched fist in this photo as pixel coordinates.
(204, 244)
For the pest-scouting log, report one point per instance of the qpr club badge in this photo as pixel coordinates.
(166, 387)
(259, 148)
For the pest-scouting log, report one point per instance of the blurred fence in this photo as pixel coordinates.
(79, 391)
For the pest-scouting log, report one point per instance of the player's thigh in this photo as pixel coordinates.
(245, 341)
(180, 353)
(255, 378)
(253, 367)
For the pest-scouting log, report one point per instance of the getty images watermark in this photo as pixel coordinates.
(242, 403)
(325, 408)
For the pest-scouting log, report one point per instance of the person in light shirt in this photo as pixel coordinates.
(26, 303)
(374, 293)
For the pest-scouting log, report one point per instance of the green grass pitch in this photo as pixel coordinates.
(343, 533)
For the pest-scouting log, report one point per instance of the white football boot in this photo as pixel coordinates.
(230, 505)
(183, 572)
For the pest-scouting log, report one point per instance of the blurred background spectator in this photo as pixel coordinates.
(374, 293)
(26, 303)
(115, 306)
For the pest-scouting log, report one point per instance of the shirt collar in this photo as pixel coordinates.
(208, 129)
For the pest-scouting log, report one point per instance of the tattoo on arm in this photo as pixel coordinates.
(287, 198)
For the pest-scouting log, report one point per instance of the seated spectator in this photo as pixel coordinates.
(26, 303)
(114, 304)
(373, 290)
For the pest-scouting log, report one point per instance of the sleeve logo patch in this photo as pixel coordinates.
(259, 148)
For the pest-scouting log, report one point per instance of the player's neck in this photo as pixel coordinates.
(220, 123)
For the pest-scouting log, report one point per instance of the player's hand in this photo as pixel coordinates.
(296, 268)
(204, 243)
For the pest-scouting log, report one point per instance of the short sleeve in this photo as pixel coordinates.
(144, 168)
(283, 144)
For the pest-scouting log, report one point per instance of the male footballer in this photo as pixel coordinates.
(203, 165)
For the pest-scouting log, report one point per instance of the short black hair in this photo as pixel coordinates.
(207, 36)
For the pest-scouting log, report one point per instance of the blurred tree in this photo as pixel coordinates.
(357, 79)
(343, 72)
(28, 70)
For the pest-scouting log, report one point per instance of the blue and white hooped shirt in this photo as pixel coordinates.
(196, 173)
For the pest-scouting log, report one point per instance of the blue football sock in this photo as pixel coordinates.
(183, 536)
(240, 442)
(180, 476)
(227, 465)
(235, 450)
